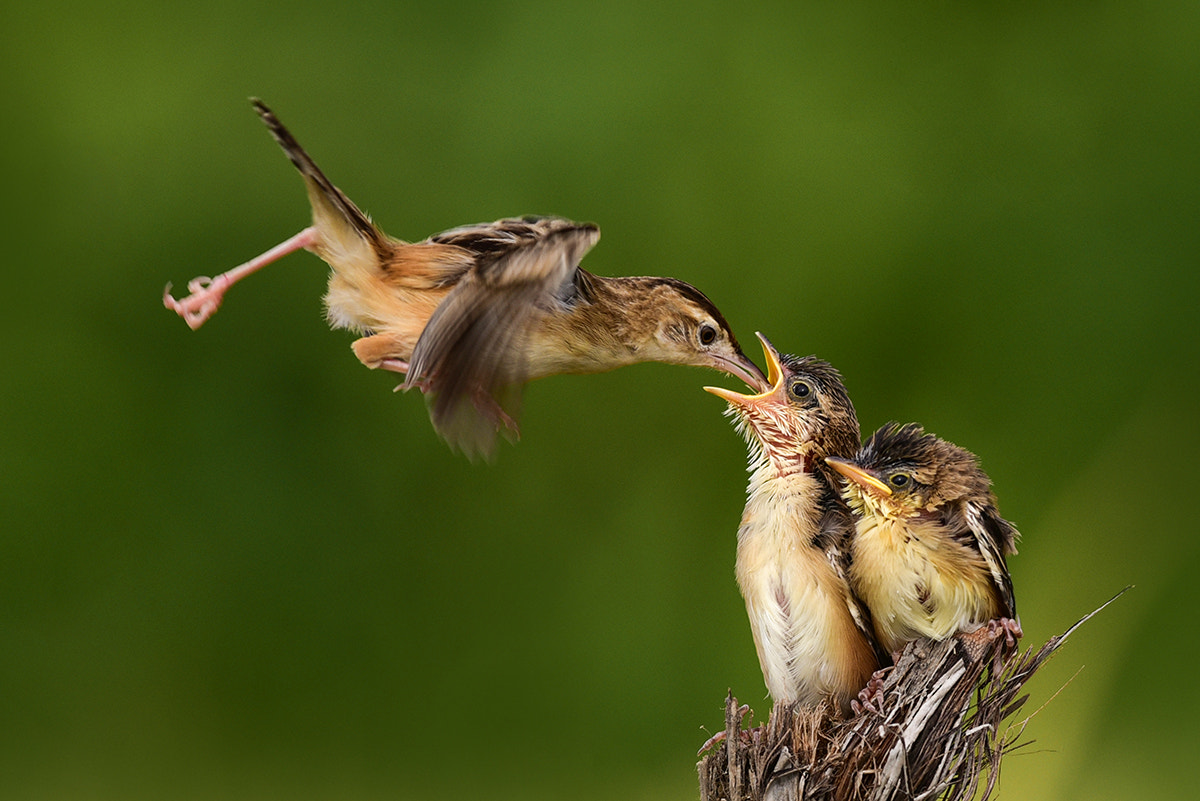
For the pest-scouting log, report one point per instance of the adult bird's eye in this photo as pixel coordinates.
(707, 334)
(800, 390)
(899, 481)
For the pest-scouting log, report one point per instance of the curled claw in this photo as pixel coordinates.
(870, 698)
(203, 303)
(1010, 627)
(207, 293)
(402, 367)
(984, 639)
(719, 737)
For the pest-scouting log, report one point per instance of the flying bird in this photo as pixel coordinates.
(472, 314)
(813, 637)
(929, 549)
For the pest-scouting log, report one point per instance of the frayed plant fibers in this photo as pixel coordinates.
(937, 728)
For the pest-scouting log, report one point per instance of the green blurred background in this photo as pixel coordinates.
(234, 565)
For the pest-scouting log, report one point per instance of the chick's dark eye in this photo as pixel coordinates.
(800, 390)
(707, 334)
(899, 481)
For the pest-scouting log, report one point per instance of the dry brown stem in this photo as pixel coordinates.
(938, 730)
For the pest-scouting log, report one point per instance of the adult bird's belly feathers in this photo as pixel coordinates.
(472, 314)
(930, 547)
(813, 637)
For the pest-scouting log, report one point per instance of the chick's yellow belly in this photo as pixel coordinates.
(918, 582)
(808, 645)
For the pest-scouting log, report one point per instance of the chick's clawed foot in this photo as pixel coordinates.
(870, 698)
(1009, 627)
(745, 735)
(982, 639)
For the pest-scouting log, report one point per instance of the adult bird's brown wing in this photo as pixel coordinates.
(471, 359)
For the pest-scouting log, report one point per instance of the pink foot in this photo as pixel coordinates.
(487, 406)
(870, 698)
(719, 737)
(206, 297)
(1010, 627)
(207, 293)
(401, 366)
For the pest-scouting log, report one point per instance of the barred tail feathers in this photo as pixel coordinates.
(347, 235)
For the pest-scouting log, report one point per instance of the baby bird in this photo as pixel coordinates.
(928, 554)
(813, 636)
(472, 314)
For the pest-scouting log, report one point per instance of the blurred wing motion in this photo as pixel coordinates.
(472, 314)
(473, 355)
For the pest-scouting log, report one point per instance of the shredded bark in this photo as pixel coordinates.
(937, 728)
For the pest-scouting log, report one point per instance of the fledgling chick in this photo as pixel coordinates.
(928, 554)
(472, 314)
(812, 635)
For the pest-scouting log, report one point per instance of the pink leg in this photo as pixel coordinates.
(207, 293)
(398, 366)
(394, 365)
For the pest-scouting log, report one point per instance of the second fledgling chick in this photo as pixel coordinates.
(812, 635)
(929, 547)
(472, 314)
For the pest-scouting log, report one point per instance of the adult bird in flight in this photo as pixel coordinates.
(470, 315)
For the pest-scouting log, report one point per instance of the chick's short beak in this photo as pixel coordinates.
(859, 476)
(767, 386)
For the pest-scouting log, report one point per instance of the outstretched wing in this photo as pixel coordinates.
(471, 358)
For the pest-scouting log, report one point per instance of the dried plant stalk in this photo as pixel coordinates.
(937, 729)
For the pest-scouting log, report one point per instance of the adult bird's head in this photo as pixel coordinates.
(668, 320)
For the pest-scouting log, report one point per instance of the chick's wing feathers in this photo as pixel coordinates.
(840, 556)
(995, 538)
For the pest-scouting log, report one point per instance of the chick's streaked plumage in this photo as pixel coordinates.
(930, 547)
(472, 314)
(812, 635)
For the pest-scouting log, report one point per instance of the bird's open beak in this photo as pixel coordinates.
(767, 386)
(859, 476)
(741, 367)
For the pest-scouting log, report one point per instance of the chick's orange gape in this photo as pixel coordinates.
(845, 554)
(470, 315)
(813, 635)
